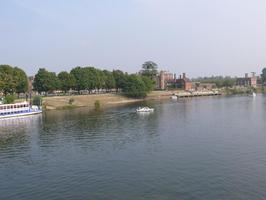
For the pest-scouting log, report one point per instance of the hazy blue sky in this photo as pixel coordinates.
(200, 37)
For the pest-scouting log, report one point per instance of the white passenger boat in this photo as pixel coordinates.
(145, 109)
(18, 109)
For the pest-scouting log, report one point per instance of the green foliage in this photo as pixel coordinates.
(220, 81)
(120, 79)
(85, 78)
(136, 87)
(263, 75)
(37, 100)
(45, 81)
(149, 69)
(67, 81)
(149, 84)
(12, 80)
(9, 99)
(71, 101)
(109, 80)
(21, 80)
(235, 90)
(97, 105)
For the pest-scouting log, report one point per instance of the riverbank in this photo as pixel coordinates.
(110, 100)
(104, 100)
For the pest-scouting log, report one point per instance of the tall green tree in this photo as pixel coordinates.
(7, 80)
(100, 79)
(149, 69)
(263, 75)
(120, 79)
(45, 81)
(149, 84)
(91, 78)
(80, 75)
(134, 87)
(109, 80)
(21, 81)
(67, 81)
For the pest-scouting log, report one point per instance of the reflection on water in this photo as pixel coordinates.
(14, 132)
(200, 148)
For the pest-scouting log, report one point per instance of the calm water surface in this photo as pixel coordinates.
(204, 148)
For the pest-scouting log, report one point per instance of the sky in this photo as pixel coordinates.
(199, 37)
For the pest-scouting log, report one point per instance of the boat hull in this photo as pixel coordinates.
(21, 114)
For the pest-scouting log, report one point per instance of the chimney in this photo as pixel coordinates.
(184, 75)
(174, 76)
(253, 74)
(246, 75)
(180, 77)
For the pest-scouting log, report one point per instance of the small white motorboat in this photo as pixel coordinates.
(145, 109)
(254, 94)
(174, 97)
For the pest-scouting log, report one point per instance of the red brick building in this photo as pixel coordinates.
(247, 81)
(183, 83)
(163, 79)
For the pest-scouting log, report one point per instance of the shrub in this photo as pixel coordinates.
(9, 99)
(97, 105)
(37, 100)
(71, 101)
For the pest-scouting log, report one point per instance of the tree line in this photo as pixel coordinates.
(14, 80)
(92, 79)
(220, 81)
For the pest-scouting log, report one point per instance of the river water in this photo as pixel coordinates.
(201, 148)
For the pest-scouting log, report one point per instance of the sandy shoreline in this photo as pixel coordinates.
(106, 100)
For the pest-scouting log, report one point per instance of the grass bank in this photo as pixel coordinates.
(104, 100)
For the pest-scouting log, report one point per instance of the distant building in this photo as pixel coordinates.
(183, 82)
(247, 81)
(163, 79)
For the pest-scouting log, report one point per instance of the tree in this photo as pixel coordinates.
(21, 81)
(45, 81)
(91, 77)
(7, 81)
(149, 69)
(134, 87)
(67, 81)
(109, 80)
(80, 75)
(120, 79)
(263, 75)
(220, 81)
(149, 84)
(100, 79)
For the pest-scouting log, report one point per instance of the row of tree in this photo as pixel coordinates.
(220, 81)
(13, 80)
(92, 79)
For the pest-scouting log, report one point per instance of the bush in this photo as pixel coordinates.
(97, 105)
(71, 101)
(37, 100)
(9, 99)
(135, 87)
